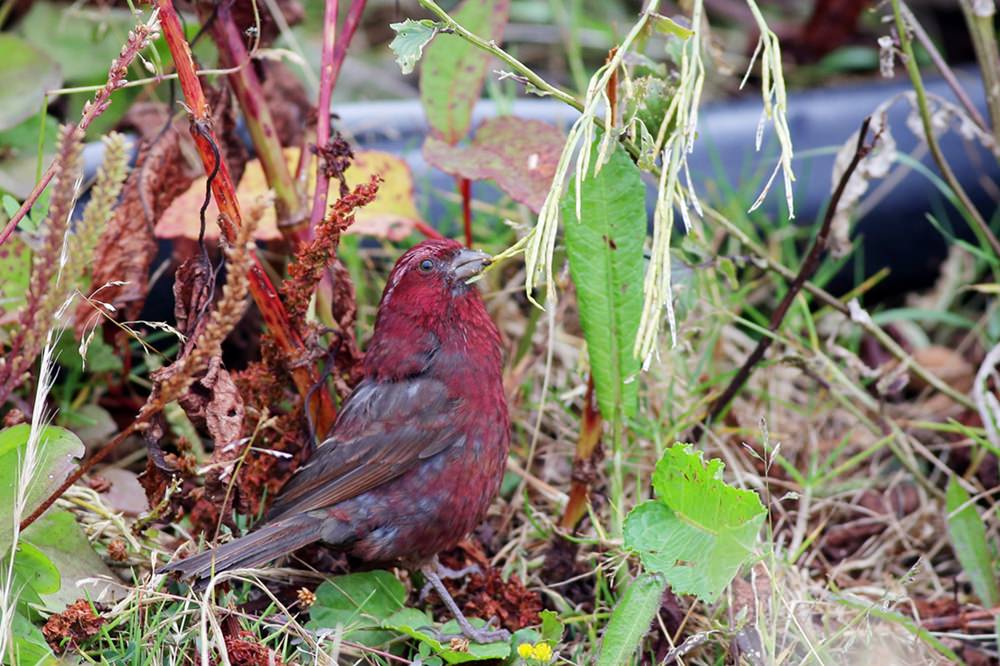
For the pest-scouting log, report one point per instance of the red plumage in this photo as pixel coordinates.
(418, 450)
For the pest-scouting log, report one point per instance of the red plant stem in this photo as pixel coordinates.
(465, 189)
(250, 95)
(263, 292)
(117, 73)
(427, 230)
(583, 462)
(347, 34)
(327, 70)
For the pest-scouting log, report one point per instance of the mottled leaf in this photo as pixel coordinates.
(452, 74)
(630, 619)
(15, 271)
(520, 155)
(19, 153)
(26, 74)
(699, 531)
(605, 248)
(410, 40)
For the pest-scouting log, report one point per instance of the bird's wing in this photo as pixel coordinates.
(383, 429)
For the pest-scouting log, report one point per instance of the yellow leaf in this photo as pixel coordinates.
(391, 215)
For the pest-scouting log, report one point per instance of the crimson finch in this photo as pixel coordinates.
(418, 450)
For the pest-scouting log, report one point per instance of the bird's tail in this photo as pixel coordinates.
(259, 547)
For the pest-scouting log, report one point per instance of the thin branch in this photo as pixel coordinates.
(806, 271)
(323, 111)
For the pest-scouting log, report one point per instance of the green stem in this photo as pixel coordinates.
(984, 42)
(906, 44)
(491, 47)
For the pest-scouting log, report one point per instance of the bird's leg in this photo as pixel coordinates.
(447, 573)
(430, 572)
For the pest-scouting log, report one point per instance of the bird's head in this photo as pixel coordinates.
(431, 276)
(429, 306)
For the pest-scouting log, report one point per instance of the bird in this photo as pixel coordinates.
(418, 450)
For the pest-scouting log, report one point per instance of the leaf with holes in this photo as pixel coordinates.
(606, 262)
(520, 155)
(452, 74)
(699, 531)
(410, 40)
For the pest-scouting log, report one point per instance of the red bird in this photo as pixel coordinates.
(418, 450)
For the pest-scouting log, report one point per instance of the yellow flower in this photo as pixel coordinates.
(542, 652)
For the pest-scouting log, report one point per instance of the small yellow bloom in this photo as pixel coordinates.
(542, 652)
(524, 650)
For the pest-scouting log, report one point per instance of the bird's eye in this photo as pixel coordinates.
(426, 265)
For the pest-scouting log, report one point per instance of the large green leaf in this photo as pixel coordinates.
(699, 531)
(605, 259)
(28, 646)
(26, 74)
(359, 603)
(81, 571)
(453, 70)
(631, 619)
(968, 538)
(21, 152)
(54, 458)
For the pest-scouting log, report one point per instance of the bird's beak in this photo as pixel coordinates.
(468, 264)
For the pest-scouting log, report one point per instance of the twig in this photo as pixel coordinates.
(263, 292)
(949, 76)
(806, 271)
(465, 190)
(138, 38)
(491, 47)
(906, 44)
(347, 34)
(323, 112)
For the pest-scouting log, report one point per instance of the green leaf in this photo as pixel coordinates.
(83, 43)
(36, 569)
(631, 619)
(410, 40)
(63, 543)
(29, 647)
(26, 74)
(606, 263)
(552, 628)
(413, 622)
(968, 538)
(452, 75)
(54, 459)
(699, 531)
(668, 26)
(358, 602)
(19, 155)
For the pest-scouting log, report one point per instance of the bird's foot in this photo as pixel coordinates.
(482, 635)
